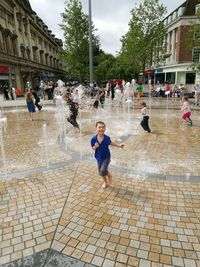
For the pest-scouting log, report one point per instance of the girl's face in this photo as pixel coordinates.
(101, 128)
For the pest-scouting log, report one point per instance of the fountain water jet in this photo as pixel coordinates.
(61, 119)
(3, 125)
(46, 144)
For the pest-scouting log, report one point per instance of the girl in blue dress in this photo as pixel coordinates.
(30, 105)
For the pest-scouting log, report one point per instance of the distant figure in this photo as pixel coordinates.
(145, 120)
(30, 105)
(99, 144)
(182, 90)
(112, 89)
(14, 93)
(197, 91)
(186, 110)
(102, 95)
(5, 91)
(37, 99)
(139, 92)
(73, 110)
(96, 101)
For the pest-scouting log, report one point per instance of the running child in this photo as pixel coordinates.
(186, 110)
(100, 143)
(145, 120)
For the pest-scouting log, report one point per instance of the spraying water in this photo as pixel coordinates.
(3, 125)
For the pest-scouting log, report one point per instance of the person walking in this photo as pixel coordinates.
(145, 120)
(100, 144)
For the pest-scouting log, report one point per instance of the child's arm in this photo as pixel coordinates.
(117, 145)
(95, 146)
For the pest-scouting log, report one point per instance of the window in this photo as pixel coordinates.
(196, 54)
(197, 34)
(197, 9)
(10, 18)
(2, 13)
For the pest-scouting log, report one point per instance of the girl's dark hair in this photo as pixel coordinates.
(143, 104)
(28, 96)
(185, 98)
(100, 122)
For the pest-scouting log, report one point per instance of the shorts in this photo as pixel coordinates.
(103, 167)
(186, 116)
(139, 94)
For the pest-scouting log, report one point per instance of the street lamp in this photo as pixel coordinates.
(90, 45)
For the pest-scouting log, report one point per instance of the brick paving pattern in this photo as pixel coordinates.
(62, 214)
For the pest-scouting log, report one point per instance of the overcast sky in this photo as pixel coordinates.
(110, 17)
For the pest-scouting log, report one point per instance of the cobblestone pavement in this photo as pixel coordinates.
(55, 213)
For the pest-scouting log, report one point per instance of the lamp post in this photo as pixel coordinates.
(90, 46)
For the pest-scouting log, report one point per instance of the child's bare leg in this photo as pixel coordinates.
(105, 184)
(109, 178)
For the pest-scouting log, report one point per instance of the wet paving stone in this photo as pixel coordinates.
(60, 216)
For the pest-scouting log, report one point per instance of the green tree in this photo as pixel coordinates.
(75, 25)
(143, 45)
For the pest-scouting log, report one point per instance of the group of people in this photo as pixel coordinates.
(100, 142)
(8, 92)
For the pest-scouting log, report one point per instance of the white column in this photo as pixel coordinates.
(168, 46)
(173, 41)
(176, 77)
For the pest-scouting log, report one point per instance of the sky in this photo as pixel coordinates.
(110, 17)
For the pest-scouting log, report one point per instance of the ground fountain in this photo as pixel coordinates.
(3, 125)
(1, 104)
(45, 142)
(60, 116)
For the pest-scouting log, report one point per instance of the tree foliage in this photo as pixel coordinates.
(142, 45)
(75, 25)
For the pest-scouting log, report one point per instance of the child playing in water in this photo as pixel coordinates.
(73, 110)
(30, 105)
(186, 110)
(100, 143)
(145, 121)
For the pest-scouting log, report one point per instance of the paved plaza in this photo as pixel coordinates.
(54, 213)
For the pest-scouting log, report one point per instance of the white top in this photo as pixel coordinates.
(144, 111)
(186, 107)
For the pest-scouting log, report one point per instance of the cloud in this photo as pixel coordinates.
(110, 17)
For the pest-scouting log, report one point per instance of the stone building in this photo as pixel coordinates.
(182, 48)
(28, 49)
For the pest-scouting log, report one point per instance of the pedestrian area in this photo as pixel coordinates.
(54, 213)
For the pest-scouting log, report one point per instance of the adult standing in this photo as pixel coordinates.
(197, 88)
(139, 92)
(37, 99)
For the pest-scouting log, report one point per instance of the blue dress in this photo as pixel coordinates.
(30, 105)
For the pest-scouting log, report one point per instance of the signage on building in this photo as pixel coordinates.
(4, 69)
(158, 70)
(149, 72)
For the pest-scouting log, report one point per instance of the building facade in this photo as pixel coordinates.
(182, 48)
(28, 49)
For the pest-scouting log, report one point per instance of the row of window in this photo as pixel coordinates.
(178, 13)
